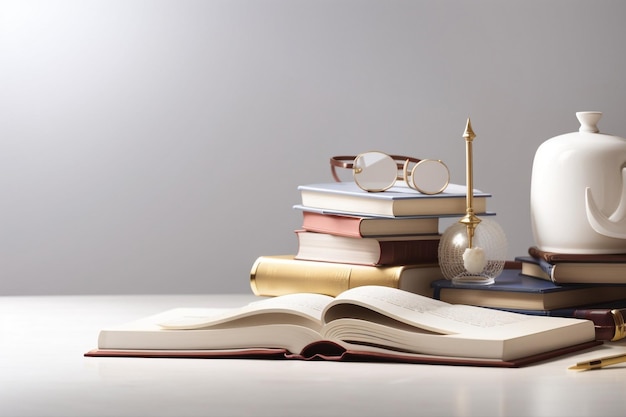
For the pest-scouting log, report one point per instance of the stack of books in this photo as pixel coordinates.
(350, 237)
(568, 268)
(591, 287)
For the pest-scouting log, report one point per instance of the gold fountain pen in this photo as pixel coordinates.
(599, 363)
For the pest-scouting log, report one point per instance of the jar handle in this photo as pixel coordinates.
(613, 225)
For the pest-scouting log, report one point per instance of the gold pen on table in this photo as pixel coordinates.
(600, 362)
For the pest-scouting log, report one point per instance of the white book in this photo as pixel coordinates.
(372, 322)
(395, 202)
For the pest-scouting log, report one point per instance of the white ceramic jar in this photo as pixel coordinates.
(578, 195)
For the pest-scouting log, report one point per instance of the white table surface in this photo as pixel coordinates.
(43, 373)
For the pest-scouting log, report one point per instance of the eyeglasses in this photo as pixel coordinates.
(376, 171)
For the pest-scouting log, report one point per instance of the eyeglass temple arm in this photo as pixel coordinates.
(341, 161)
(347, 161)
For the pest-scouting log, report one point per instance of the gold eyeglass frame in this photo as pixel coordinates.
(402, 164)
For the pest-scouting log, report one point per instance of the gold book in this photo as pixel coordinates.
(282, 274)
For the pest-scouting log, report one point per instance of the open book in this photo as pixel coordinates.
(363, 323)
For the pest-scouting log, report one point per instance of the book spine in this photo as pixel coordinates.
(328, 223)
(609, 323)
(279, 275)
(408, 252)
(536, 267)
(547, 267)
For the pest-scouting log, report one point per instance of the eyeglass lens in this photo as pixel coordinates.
(375, 171)
(430, 176)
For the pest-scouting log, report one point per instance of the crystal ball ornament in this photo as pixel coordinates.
(479, 263)
(473, 250)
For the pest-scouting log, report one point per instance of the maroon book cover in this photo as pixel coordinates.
(553, 257)
(329, 351)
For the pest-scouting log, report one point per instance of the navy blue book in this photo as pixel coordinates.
(514, 290)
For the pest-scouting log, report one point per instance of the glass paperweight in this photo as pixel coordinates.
(477, 262)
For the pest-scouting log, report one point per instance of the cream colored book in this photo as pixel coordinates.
(366, 323)
(274, 275)
(397, 201)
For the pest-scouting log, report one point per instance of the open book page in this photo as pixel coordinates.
(147, 334)
(423, 312)
(374, 319)
(303, 309)
(290, 322)
(407, 322)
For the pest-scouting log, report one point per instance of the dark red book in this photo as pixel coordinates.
(554, 257)
(387, 250)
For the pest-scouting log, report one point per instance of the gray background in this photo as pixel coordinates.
(156, 146)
